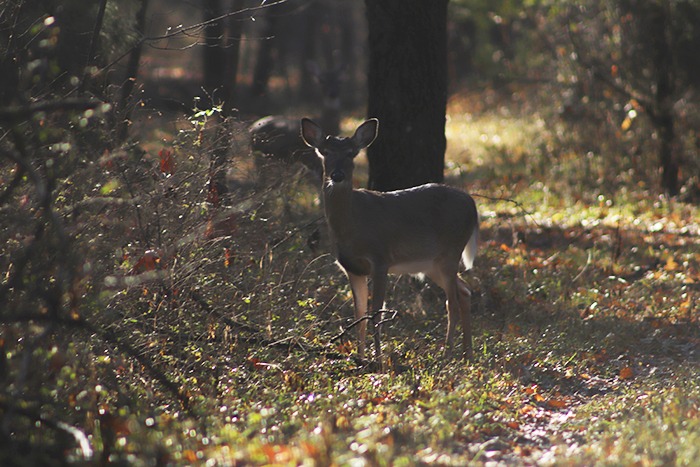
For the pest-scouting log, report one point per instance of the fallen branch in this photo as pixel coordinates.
(81, 440)
(15, 114)
(368, 316)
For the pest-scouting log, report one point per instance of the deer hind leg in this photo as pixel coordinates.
(360, 295)
(465, 305)
(447, 280)
(454, 312)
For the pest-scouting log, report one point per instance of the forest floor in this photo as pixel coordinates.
(586, 328)
(586, 331)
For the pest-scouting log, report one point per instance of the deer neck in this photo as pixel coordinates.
(338, 207)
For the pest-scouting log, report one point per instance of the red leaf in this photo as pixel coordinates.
(148, 262)
(256, 364)
(223, 225)
(167, 162)
(227, 257)
(213, 195)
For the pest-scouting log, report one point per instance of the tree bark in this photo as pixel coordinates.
(659, 24)
(265, 62)
(233, 52)
(407, 86)
(214, 53)
(132, 70)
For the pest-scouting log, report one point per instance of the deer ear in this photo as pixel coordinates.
(311, 133)
(366, 133)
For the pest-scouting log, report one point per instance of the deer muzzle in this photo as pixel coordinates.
(337, 176)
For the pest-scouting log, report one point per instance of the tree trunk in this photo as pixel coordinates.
(233, 51)
(407, 85)
(265, 61)
(94, 40)
(659, 24)
(214, 54)
(124, 109)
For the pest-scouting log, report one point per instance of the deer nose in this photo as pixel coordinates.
(337, 176)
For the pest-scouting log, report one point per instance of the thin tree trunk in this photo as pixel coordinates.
(94, 39)
(132, 71)
(214, 55)
(264, 62)
(233, 53)
(664, 119)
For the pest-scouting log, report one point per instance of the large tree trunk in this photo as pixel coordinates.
(407, 84)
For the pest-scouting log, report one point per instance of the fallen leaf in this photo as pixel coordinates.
(671, 264)
(626, 373)
(626, 124)
(557, 403)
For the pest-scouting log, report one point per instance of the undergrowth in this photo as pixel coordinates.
(213, 329)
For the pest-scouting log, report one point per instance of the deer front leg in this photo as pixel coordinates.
(360, 294)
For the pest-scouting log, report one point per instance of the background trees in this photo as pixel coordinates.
(144, 317)
(640, 52)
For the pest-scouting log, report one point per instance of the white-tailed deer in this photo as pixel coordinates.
(430, 229)
(278, 137)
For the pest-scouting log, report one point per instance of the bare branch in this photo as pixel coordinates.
(201, 25)
(588, 62)
(368, 316)
(16, 114)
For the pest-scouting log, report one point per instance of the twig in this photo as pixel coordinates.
(585, 266)
(517, 204)
(301, 274)
(80, 438)
(589, 63)
(296, 230)
(187, 29)
(368, 316)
